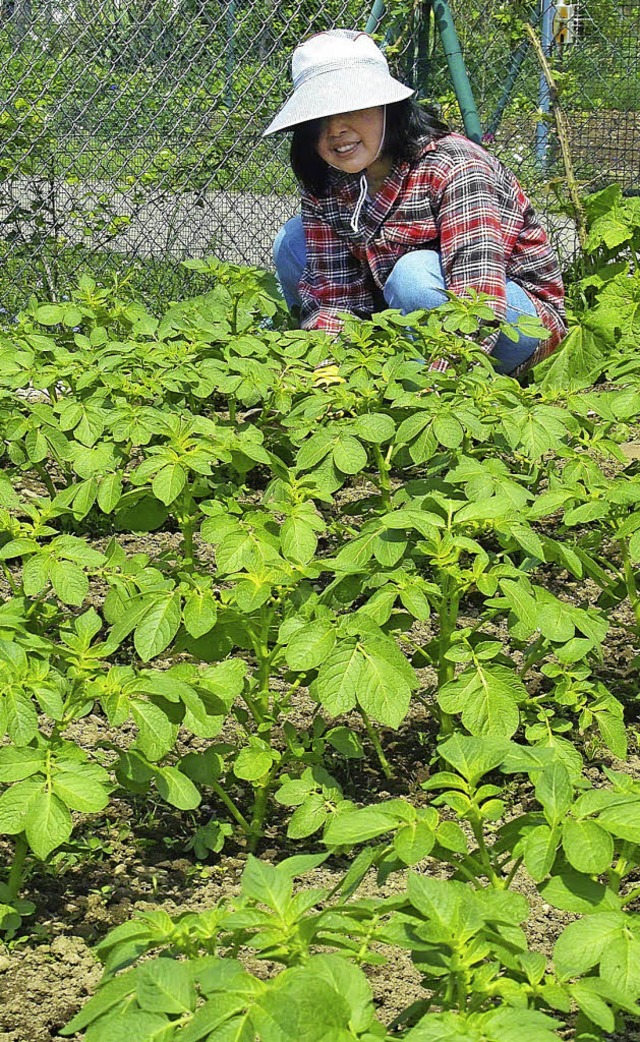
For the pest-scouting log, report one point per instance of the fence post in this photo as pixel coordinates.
(457, 71)
(230, 61)
(544, 92)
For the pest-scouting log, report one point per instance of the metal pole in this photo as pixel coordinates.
(544, 93)
(457, 70)
(230, 60)
(517, 60)
(376, 16)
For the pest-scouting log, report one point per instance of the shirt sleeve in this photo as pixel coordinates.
(333, 280)
(471, 238)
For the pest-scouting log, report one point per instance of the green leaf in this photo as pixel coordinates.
(488, 699)
(16, 764)
(346, 742)
(338, 679)
(311, 645)
(251, 593)
(35, 574)
(21, 717)
(236, 551)
(218, 1021)
(49, 314)
(166, 986)
(450, 836)
(110, 492)
(623, 820)
(298, 540)
(349, 455)
(593, 1006)
(574, 892)
(169, 483)
(375, 427)
(579, 948)
(108, 995)
(448, 430)
(540, 847)
(47, 824)
(620, 963)
(199, 612)
(588, 847)
(267, 884)
(473, 757)
(156, 734)
(82, 788)
(135, 1024)
(177, 789)
(580, 356)
(383, 691)
(15, 804)
(389, 548)
(554, 620)
(252, 763)
(414, 841)
(314, 450)
(158, 626)
(521, 602)
(555, 792)
(308, 817)
(69, 582)
(360, 825)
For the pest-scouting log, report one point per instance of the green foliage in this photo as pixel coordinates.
(326, 560)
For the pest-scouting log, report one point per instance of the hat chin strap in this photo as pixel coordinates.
(354, 222)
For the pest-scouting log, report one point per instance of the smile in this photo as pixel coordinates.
(344, 150)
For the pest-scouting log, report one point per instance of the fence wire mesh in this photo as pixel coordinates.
(130, 129)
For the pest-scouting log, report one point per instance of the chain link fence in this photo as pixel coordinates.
(130, 129)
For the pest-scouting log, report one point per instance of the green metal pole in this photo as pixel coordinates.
(457, 71)
(376, 16)
(230, 60)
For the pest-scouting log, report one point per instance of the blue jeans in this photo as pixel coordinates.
(416, 281)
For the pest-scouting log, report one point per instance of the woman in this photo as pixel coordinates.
(396, 209)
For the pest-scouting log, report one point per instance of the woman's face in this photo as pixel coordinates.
(351, 141)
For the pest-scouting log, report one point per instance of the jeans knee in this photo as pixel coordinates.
(287, 243)
(416, 281)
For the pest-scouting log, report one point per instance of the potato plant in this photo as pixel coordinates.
(317, 564)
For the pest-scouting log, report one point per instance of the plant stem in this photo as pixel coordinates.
(476, 825)
(259, 810)
(188, 529)
(46, 479)
(8, 576)
(16, 875)
(448, 618)
(231, 807)
(631, 896)
(563, 138)
(387, 769)
(384, 472)
(630, 580)
(531, 657)
(616, 873)
(512, 873)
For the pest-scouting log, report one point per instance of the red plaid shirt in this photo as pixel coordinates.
(455, 198)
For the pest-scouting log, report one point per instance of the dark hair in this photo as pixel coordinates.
(408, 124)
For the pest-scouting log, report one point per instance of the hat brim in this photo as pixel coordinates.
(310, 102)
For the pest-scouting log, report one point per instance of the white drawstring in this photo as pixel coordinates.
(364, 187)
(361, 201)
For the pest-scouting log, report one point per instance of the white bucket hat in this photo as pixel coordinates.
(337, 71)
